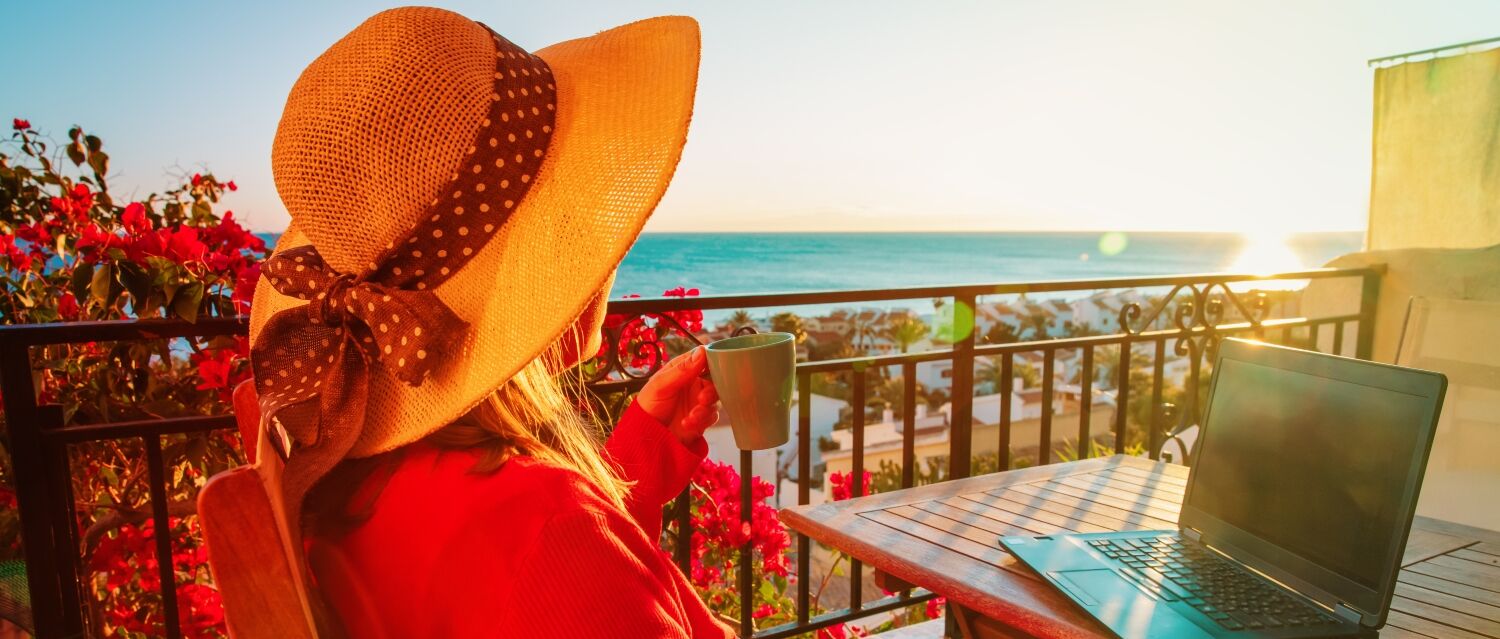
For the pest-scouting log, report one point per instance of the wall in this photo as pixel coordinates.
(1472, 274)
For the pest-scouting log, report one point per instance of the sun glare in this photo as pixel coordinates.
(1265, 253)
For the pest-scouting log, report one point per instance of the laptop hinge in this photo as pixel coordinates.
(1344, 612)
(1191, 534)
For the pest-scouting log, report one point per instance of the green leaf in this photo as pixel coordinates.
(163, 270)
(99, 162)
(100, 282)
(83, 275)
(187, 300)
(196, 450)
(76, 153)
(137, 282)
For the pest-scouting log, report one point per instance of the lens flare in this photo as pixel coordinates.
(1113, 243)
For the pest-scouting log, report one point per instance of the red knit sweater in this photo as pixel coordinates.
(531, 550)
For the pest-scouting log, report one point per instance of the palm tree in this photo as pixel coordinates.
(861, 327)
(740, 318)
(1001, 333)
(1073, 329)
(904, 330)
(789, 322)
(990, 373)
(1038, 323)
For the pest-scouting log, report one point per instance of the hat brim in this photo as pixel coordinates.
(624, 100)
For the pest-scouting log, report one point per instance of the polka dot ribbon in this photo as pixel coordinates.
(312, 361)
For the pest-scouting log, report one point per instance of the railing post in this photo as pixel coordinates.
(1155, 422)
(804, 492)
(1369, 296)
(961, 431)
(1007, 380)
(65, 544)
(1044, 449)
(28, 458)
(747, 551)
(1086, 404)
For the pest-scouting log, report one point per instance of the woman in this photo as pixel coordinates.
(458, 208)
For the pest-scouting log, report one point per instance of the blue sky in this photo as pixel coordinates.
(847, 115)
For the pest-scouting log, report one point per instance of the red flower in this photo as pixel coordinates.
(842, 631)
(181, 245)
(244, 287)
(765, 610)
(135, 220)
(197, 178)
(19, 259)
(230, 237)
(216, 368)
(36, 234)
(230, 185)
(67, 307)
(19, 124)
(841, 485)
(200, 610)
(935, 607)
(94, 241)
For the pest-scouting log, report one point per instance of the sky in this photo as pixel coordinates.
(857, 115)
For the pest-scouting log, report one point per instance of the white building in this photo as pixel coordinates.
(823, 414)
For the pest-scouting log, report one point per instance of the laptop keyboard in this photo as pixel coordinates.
(1229, 595)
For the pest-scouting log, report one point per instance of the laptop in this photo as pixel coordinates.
(1303, 488)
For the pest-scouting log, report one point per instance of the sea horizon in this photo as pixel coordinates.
(718, 263)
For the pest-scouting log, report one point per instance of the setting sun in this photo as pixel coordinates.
(1267, 252)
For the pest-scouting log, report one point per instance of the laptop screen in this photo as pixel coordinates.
(1319, 467)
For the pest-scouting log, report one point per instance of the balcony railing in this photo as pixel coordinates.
(1185, 320)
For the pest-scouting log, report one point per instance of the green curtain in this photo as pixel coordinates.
(1436, 165)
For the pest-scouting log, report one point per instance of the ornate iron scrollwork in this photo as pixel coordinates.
(1196, 317)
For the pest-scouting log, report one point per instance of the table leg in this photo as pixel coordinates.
(972, 625)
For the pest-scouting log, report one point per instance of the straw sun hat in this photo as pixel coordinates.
(456, 204)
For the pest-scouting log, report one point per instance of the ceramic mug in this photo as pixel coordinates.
(754, 375)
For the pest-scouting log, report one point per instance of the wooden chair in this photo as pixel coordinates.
(263, 596)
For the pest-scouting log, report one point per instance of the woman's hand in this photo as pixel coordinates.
(679, 397)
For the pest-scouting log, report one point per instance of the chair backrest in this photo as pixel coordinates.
(259, 588)
(1459, 339)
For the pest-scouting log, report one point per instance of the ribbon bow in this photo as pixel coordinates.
(323, 348)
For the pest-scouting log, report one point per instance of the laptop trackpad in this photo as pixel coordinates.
(1123, 606)
(1096, 585)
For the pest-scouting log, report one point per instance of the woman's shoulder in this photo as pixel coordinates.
(523, 486)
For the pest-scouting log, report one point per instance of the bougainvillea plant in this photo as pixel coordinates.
(72, 251)
(644, 342)
(720, 534)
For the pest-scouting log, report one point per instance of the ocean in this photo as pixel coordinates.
(719, 263)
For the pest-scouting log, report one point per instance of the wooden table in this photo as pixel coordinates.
(943, 537)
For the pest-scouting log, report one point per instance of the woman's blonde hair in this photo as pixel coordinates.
(539, 413)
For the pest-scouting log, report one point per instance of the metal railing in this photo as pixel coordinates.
(1194, 313)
